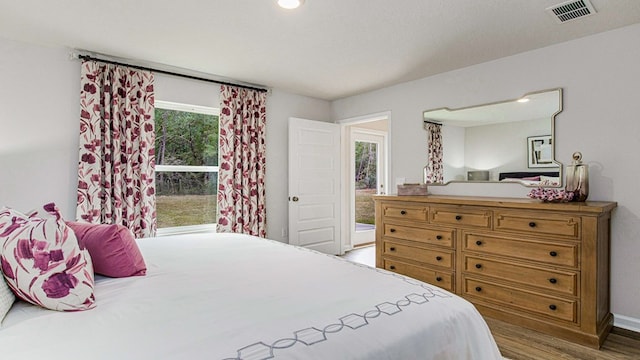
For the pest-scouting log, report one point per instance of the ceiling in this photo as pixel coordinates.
(327, 49)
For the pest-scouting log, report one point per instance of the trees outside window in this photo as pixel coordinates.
(366, 180)
(366, 165)
(186, 152)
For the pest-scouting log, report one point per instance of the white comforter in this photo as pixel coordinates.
(229, 296)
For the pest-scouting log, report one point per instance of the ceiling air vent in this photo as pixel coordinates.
(571, 10)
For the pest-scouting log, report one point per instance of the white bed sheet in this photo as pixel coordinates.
(228, 296)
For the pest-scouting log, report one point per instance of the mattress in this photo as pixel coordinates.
(230, 296)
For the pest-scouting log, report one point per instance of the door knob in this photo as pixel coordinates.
(295, 198)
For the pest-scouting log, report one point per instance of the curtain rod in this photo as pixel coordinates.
(431, 122)
(166, 72)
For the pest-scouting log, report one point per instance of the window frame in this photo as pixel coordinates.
(207, 110)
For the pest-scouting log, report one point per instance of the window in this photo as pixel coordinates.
(186, 152)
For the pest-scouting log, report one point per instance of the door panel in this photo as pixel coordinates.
(314, 185)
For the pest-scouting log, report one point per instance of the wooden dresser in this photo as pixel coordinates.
(538, 265)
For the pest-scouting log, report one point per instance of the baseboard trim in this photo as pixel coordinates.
(363, 245)
(626, 322)
(346, 248)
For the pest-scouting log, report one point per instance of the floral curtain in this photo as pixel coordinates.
(241, 186)
(116, 165)
(434, 172)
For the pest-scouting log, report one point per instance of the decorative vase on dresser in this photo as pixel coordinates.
(543, 266)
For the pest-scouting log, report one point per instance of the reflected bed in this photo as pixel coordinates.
(532, 178)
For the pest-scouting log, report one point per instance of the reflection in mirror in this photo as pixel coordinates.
(508, 141)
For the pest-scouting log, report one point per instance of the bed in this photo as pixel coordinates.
(231, 296)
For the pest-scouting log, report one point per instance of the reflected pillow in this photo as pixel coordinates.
(113, 249)
(549, 180)
(511, 179)
(42, 262)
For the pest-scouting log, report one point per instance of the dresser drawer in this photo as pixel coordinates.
(405, 212)
(437, 257)
(442, 237)
(443, 279)
(538, 223)
(451, 215)
(557, 308)
(565, 282)
(554, 253)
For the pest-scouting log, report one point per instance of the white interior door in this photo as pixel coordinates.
(314, 185)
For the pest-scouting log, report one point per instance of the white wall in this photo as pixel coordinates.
(39, 125)
(601, 81)
(186, 91)
(39, 117)
(501, 147)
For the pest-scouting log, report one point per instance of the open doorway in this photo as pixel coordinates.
(365, 146)
(367, 150)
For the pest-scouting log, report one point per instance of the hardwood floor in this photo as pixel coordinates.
(517, 343)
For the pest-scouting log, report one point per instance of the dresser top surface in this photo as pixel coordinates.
(518, 203)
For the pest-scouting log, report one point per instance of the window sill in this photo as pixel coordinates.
(191, 229)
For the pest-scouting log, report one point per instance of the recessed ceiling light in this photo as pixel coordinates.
(523, 100)
(290, 4)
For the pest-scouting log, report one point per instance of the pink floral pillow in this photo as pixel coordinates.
(42, 261)
(113, 249)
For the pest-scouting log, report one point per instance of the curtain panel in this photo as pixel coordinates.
(116, 183)
(241, 184)
(434, 168)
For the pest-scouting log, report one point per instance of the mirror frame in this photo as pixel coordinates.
(553, 136)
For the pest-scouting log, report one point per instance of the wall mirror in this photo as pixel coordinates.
(507, 141)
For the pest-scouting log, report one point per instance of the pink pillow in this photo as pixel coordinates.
(113, 249)
(42, 262)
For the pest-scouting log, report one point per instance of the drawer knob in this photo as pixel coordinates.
(438, 258)
(553, 253)
(392, 249)
(392, 230)
(478, 266)
(553, 307)
(532, 224)
(553, 280)
(458, 217)
(392, 267)
(439, 278)
(478, 242)
(438, 237)
(403, 212)
(478, 288)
